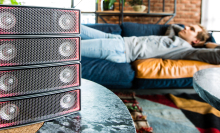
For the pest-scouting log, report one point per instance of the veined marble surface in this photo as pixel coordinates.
(206, 84)
(101, 112)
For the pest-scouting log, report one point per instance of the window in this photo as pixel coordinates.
(87, 6)
(210, 17)
(47, 3)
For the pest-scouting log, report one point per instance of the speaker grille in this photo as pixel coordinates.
(29, 81)
(37, 109)
(38, 20)
(38, 50)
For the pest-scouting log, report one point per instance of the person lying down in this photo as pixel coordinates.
(177, 43)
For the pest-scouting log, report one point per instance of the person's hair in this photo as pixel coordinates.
(202, 35)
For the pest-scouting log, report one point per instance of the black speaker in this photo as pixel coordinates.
(29, 51)
(24, 20)
(22, 110)
(27, 80)
(40, 65)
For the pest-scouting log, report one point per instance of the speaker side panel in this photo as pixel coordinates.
(32, 110)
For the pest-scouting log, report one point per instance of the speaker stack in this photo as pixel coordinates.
(39, 64)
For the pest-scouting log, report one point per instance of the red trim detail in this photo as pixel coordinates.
(162, 99)
(208, 130)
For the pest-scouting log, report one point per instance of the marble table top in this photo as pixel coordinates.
(206, 84)
(101, 112)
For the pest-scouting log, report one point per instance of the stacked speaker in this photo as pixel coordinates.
(39, 64)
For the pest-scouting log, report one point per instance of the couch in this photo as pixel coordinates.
(140, 74)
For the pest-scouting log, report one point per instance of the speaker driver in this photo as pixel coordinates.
(7, 20)
(67, 101)
(66, 21)
(8, 82)
(9, 112)
(66, 49)
(67, 75)
(7, 52)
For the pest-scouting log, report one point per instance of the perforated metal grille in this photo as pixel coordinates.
(37, 20)
(28, 81)
(38, 50)
(37, 109)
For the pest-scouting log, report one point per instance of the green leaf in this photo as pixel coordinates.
(111, 2)
(1, 1)
(14, 2)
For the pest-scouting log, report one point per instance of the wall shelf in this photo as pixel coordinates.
(123, 13)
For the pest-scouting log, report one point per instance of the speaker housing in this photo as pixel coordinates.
(40, 72)
(38, 50)
(44, 20)
(24, 110)
(24, 80)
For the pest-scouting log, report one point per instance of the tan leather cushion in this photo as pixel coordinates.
(167, 69)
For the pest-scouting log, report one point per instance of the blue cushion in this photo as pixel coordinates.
(107, 28)
(162, 83)
(135, 29)
(107, 73)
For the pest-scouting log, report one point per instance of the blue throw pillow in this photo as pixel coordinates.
(107, 73)
(162, 83)
(136, 29)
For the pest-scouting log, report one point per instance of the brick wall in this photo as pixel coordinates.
(187, 11)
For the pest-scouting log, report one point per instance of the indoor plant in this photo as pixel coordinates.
(109, 4)
(13, 2)
(137, 5)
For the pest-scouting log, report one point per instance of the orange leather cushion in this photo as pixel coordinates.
(167, 69)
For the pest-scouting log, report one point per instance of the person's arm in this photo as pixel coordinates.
(212, 45)
(206, 45)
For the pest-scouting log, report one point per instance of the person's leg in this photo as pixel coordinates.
(90, 33)
(109, 49)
